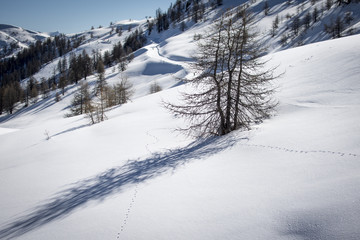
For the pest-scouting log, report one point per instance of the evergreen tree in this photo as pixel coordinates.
(1, 100)
(107, 59)
(266, 8)
(275, 26)
(100, 92)
(307, 20)
(159, 22)
(9, 98)
(295, 25)
(315, 14)
(182, 26)
(86, 65)
(44, 87)
(329, 4)
(150, 26)
(63, 82)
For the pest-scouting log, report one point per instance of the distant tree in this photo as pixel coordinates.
(119, 31)
(179, 7)
(315, 14)
(57, 97)
(329, 4)
(295, 25)
(81, 103)
(338, 27)
(64, 64)
(63, 82)
(34, 95)
(150, 26)
(307, 20)
(155, 87)
(107, 59)
(44, 88)
(32, 91)
(182, 26)
(85, 65)
(334, 28)
(348, 18)
(162, 22)
(122, 64)
(266, 8)
(195, 11)
(339, 2)
(275, 25)
(100, 92)
(1, 100)
(123, 91)
(59, 66)
(10, 97)
(75, 65)
(219, 2)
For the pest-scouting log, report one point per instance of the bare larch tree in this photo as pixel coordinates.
(232, 88)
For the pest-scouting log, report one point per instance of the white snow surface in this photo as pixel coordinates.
(295, 176)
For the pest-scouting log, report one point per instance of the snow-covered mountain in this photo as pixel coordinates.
(295, 176)
(13, 39)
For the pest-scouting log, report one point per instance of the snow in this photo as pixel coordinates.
(295, 176)
(6, 130)
(21, 37)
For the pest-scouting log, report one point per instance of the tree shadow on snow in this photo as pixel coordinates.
(113, 181)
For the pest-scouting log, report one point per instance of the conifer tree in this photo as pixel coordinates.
(1, 100)
(100, 91)
(9, 98)
(266, 8)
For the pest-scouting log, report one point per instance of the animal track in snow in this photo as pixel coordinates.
(132, 202)
(341, 154)
(122, 228)
(148, 144)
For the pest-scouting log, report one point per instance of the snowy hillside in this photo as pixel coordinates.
(295, 176)
(16, 38)
(283, 37)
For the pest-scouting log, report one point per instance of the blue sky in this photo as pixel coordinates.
(71, 16)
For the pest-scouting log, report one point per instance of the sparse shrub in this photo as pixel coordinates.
(155, 87)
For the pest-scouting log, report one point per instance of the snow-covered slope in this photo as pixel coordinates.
(295, 176)
(131, 177)
(18, 38)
